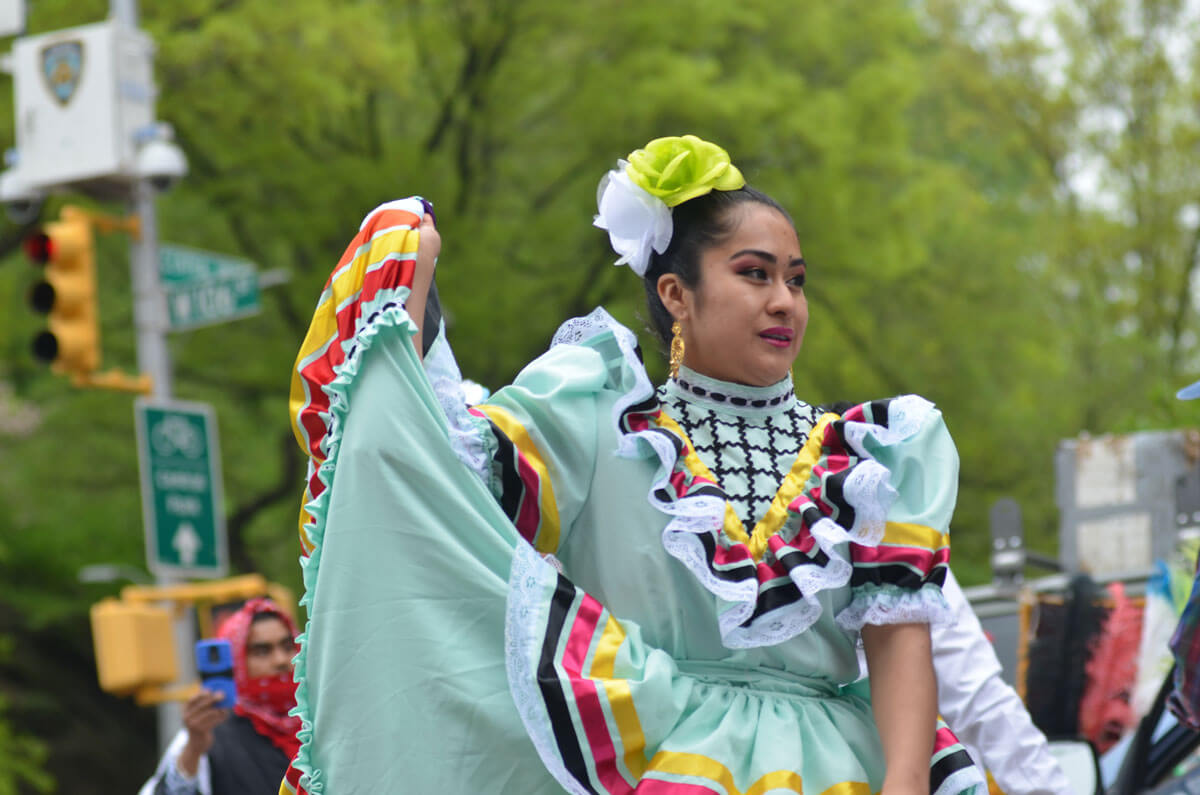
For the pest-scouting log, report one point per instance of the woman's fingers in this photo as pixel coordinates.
(430, 244)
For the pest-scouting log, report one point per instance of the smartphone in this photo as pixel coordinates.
(214, 662)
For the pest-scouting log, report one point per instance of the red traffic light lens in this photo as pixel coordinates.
(39, 247)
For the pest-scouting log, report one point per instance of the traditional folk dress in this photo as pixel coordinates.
(584, 583)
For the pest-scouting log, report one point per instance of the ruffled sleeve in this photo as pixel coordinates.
(541, 442)
(899, 563)
(533, 443)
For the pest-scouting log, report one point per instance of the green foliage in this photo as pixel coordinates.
(933, 154)
(21, 761)
(21, 755)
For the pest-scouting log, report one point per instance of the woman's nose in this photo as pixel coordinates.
(281, 659)
(780, 300)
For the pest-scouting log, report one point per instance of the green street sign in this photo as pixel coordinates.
(180, 465)
(204, 287)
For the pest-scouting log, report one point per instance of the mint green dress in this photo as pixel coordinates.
(552, 591)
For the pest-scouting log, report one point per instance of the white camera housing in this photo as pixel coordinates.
(22, 202)
(161, 162)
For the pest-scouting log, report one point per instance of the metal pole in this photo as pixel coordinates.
(149, 299)
(154, 360)
(124, 11)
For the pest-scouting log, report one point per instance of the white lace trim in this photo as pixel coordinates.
(884, 604)
(906, 415)
(968, 781)
(529, 579)
(580, 329)
(447, 381)
(866, 490)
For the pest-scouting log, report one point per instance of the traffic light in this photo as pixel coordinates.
(67, 294)
(134, 644)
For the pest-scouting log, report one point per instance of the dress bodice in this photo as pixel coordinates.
(747, 436)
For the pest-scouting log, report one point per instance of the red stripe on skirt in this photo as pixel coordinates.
(529, 516)
(393, 273)
(591, 713)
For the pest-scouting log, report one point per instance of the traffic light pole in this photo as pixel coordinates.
(149, 299)
(154, 360)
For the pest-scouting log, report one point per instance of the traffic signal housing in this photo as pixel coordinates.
(134, 645)
(67, 294)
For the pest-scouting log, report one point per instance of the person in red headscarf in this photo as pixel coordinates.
(244, 750)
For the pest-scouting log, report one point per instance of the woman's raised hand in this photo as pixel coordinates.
(428, 247)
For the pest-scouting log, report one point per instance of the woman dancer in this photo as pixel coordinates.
(590, 584)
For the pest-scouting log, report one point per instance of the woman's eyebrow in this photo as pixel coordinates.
(768, 256)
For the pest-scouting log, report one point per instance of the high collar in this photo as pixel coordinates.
(719, 395)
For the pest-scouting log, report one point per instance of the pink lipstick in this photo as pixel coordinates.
(779, 336)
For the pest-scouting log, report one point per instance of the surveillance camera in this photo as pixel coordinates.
(162, 163)
(22, 211)
(22, 203)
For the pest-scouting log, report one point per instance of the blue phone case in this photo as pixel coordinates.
(214, 662)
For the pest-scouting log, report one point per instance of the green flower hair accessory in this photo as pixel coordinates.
(636, 197)
(679, 168)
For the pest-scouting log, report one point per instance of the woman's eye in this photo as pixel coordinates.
(755, 273)
(797, 281)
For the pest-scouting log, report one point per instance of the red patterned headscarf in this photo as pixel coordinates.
(264, 700)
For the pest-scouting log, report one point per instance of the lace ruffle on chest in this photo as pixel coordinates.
(747, 436)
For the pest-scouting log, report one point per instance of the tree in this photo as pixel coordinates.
(898, 140)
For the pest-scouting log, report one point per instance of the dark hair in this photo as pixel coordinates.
(268, 614)
(698, 224)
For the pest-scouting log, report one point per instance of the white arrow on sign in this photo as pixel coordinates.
(187, 543)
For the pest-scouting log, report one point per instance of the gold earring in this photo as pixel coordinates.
(676, 348)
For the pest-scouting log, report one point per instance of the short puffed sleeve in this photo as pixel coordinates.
(899, 460)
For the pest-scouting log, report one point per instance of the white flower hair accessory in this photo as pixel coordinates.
(635, 198)
(636, 220)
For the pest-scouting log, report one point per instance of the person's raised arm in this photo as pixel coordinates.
(428, 248)
(904, 699)
(200, 716)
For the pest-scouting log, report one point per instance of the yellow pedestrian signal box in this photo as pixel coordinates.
(134, 636)
(67, 293)
(135, 646)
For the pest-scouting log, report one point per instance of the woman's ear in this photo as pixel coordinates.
(671, 292)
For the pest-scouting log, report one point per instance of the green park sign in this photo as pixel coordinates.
(204, 287)
(180, 465)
